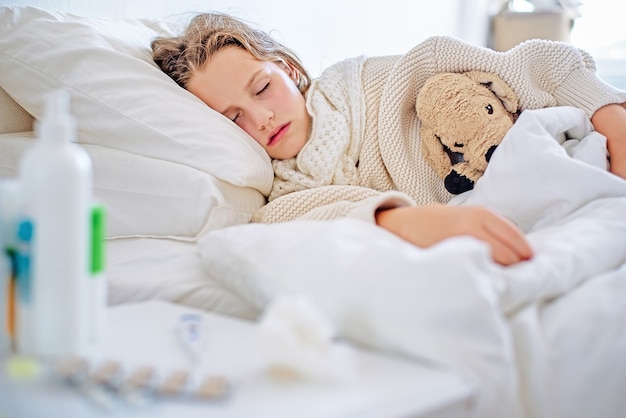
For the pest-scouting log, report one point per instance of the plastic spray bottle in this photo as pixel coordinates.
(54, 239)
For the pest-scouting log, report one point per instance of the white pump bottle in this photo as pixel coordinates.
(54, 238)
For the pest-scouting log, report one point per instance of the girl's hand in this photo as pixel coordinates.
(427, 225)
(610, 121)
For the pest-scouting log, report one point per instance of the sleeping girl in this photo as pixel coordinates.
(348, 144)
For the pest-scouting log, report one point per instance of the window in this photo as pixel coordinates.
(600, 30)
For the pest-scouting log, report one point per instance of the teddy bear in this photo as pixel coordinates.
(464, 116)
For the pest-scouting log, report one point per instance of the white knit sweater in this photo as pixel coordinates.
(364, 149)
(336, 105)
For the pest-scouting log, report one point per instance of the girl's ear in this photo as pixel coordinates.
(294, 74)
(291, 71)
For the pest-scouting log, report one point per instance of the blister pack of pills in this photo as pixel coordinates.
(108, 383)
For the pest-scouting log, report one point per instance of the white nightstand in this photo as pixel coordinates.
(145, 334)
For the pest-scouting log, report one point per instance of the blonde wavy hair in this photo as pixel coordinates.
(179, 57)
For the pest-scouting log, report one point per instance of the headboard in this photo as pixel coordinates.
(13, 118)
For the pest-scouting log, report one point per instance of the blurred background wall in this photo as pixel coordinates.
(326, 31)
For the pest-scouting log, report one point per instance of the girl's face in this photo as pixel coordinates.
(259, 96)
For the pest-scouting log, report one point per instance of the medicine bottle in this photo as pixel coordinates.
(53, 238)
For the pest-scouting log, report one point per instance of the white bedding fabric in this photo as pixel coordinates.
(544, 338)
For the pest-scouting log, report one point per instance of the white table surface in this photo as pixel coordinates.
(145, 334)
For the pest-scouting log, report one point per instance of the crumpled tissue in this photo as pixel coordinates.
(297, 341)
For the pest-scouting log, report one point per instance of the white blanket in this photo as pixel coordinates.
(450, 304)
(560, 192)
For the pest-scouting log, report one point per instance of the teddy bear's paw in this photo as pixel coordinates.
(457, 183)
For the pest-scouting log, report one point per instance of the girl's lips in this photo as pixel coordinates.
(278, 134)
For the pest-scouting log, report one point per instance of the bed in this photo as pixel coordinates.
(543, 339)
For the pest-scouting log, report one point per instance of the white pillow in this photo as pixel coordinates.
(123, 101)
(148, 197)
(140, 269)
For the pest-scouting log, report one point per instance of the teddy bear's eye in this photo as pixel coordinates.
(489, 109)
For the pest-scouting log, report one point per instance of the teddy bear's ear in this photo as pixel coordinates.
(502, 90)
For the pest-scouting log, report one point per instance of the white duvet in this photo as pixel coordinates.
(545, 338)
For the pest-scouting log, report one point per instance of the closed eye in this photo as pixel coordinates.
(265, 87)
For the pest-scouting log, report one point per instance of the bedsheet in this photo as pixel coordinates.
(450, 305)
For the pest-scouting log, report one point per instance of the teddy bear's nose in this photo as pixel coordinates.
(490, 152)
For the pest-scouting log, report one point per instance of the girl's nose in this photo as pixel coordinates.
(262, 117)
